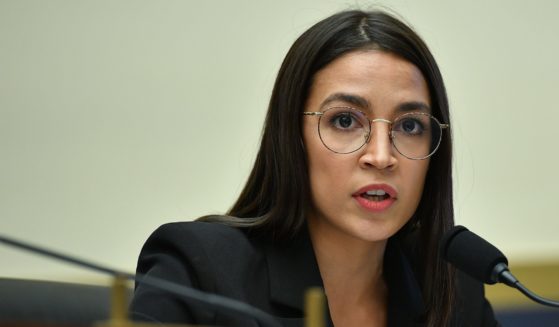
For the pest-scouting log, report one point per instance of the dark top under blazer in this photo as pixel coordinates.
(223, 260)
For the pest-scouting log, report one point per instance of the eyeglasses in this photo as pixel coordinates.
(415, 135)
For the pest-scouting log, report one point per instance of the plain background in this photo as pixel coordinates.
(119, 116)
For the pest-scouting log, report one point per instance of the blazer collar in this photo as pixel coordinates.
(292, 269)
(405, 299)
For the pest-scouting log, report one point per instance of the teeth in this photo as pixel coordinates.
(376, 192)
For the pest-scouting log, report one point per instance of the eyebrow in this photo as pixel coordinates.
(352, 99)
(362, 103)
(413, 106)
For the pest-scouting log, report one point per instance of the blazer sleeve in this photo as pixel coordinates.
(171, 253)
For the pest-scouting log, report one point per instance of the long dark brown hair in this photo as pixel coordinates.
(276, 196)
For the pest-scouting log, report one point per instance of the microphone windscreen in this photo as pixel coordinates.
(471, 254)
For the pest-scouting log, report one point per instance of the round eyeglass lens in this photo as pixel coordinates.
(416, 135)
(343, 130)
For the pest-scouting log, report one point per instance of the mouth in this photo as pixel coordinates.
(375, 195)
(376, 198)
(377, 192)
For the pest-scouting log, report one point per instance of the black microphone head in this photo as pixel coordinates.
(471, 254)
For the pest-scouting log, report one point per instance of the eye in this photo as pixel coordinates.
(410, 125)
(344, 120)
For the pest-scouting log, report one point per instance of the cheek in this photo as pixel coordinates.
(416, 176)
(326, 187)
(327, 173)
(327, 170)
(322, 169)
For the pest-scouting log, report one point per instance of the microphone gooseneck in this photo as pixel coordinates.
(192, 296)
(481, 260)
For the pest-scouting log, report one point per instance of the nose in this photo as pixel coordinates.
(379, 152)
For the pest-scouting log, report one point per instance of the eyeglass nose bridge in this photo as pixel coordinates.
(380, 120)
(376, 120)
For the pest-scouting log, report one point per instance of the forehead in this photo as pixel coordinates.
(374, 80)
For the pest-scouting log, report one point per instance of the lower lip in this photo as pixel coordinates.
(374, 206)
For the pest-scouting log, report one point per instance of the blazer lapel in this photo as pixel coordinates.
(405, 299)
(292, 269)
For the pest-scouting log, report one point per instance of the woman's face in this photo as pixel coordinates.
(383, 86)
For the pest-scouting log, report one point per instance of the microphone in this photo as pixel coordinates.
(193, 296)
(481, 260)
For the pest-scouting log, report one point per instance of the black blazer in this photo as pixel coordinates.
(219, 259)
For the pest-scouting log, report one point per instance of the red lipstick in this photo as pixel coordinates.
(375, 197)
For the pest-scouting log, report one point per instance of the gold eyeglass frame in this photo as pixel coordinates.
(371, 121)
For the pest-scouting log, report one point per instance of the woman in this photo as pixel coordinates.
(351, 190)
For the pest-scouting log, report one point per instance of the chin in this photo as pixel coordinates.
(376, 232)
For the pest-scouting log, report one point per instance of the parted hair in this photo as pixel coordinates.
(276, 197)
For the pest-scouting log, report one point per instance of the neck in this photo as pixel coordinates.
(351, 268)
(351, 271)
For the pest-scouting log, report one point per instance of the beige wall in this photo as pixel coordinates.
(118, 116)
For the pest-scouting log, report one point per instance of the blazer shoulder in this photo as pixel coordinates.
(211, 257)
(213, 240)
(202, 231)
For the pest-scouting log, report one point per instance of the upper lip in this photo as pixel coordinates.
(385, 187)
